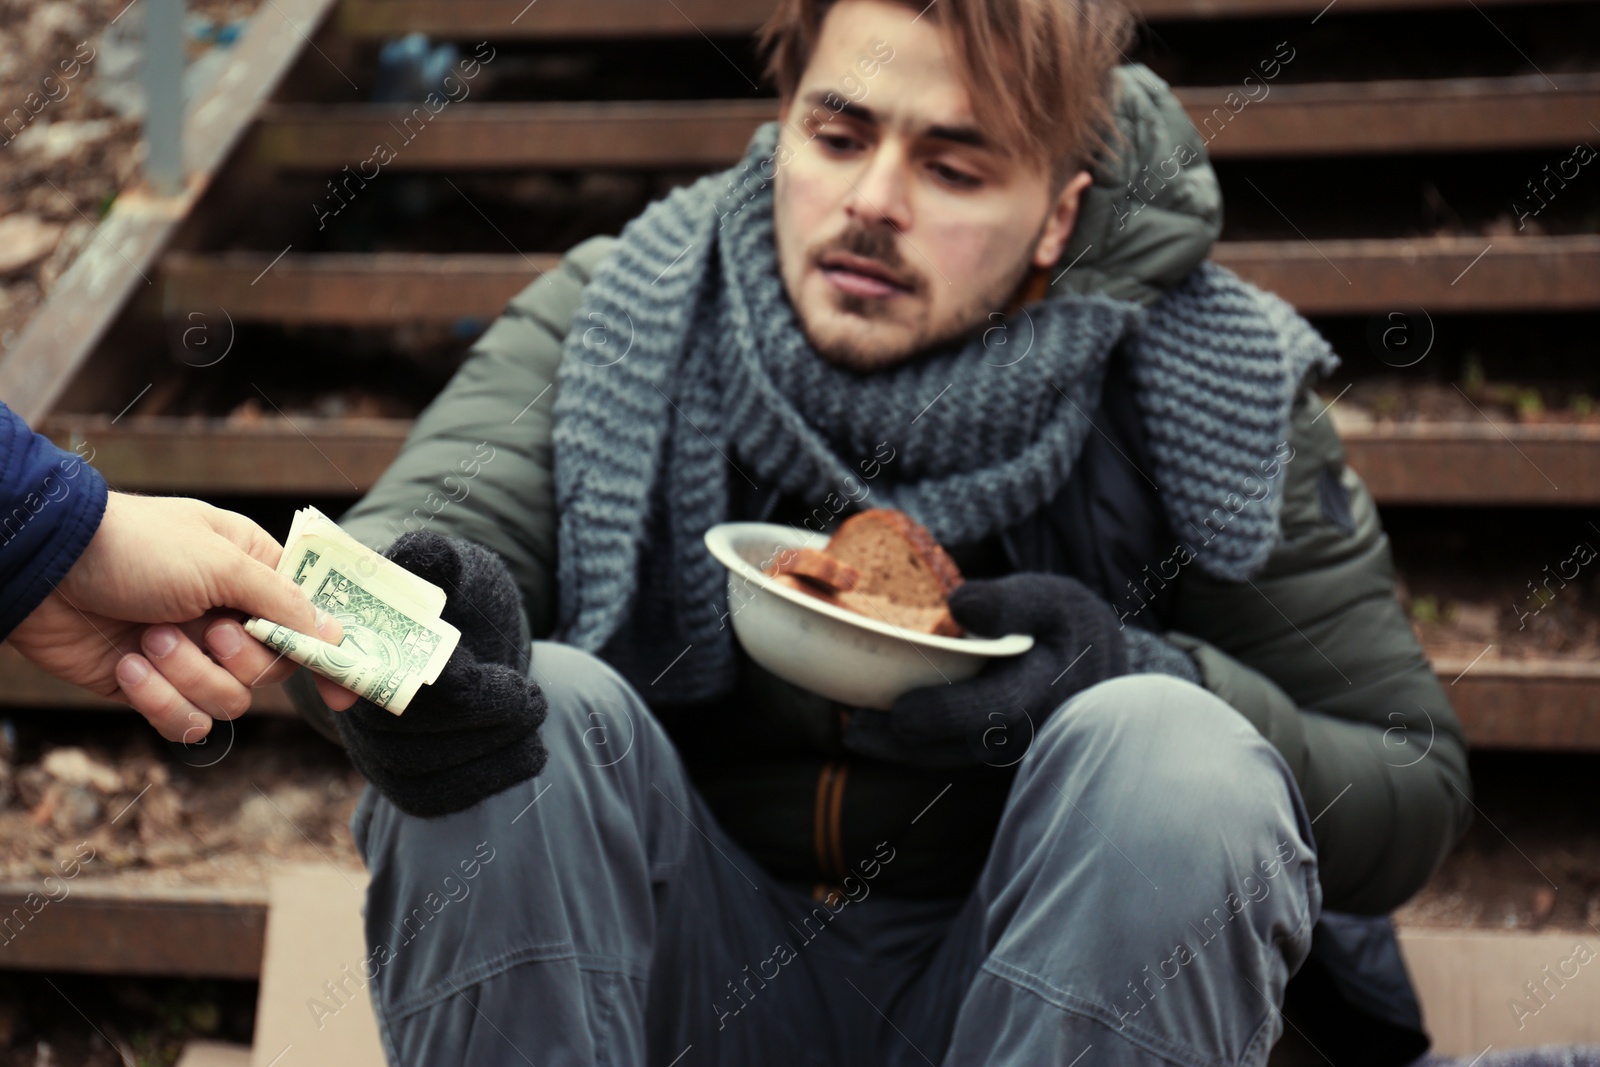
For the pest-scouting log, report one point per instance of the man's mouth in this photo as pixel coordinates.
(861, 277)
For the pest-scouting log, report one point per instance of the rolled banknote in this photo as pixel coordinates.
(394, 641)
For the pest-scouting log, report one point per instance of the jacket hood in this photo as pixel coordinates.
(1154, 209)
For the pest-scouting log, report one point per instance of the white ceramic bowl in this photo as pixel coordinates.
(851, 658)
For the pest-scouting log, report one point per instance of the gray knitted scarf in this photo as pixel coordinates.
(686, 367)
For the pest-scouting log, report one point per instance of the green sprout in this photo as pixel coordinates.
(1529, 404)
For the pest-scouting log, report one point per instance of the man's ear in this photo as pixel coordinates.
(1058, 224)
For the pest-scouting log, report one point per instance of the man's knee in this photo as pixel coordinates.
(609, 761)
(595, 716)
(1169, 767)
(1173, 792)
(1153, 717)
(571, 675)
(1148, 870)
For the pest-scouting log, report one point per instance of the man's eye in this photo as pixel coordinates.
(958, 178)
(837, 142)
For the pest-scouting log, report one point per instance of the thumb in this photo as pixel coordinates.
(988, 606)
(1022, 603)
(251, 585)
(254, 588)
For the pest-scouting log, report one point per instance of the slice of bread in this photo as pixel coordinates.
(881, 564)
(819, 567)
(926, 620)
(897, 557)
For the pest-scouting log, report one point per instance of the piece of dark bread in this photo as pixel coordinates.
(827, 571)
(897, 557)
(888, 568)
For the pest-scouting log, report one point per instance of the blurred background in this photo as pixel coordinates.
(213, 282)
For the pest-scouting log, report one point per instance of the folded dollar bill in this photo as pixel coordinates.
(394, 641)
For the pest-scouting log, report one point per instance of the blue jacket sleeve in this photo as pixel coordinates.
(51, 503)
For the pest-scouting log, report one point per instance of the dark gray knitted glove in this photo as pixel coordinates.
(473, 732)
(991, 717)
(1150, 653)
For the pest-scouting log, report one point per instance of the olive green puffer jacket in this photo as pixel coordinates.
(1315, 651)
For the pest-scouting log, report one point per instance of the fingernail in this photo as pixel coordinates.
(131, 671)
(224, 639)
(327, 626)
(159, 641)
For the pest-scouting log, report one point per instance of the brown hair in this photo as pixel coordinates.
(1040, 73)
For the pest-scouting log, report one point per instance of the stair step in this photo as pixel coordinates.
(1328, 277)
(1400, 116)
(1547, 704)
(512, 19)
(1543, 704)
(1440, 274)
(22, 685)
(1340, 118)
(345, 289)
(279, 456)
(700, 134)
(1444, 463)
(1478, 463)
(128, 925)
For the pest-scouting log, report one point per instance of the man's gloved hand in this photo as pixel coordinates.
(473, 732)
(991, 717)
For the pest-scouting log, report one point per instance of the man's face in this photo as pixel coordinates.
(900, 223)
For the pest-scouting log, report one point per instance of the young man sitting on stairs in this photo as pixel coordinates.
(969, 258)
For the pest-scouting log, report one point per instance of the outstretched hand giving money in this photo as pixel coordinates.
(182, 565)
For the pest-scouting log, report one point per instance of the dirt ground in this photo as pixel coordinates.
(1457, 614)
(101, 798)
(257, 793)
(1530, 860)
(1387, 399)
(139, 1021)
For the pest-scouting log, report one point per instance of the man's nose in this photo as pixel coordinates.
(880, 191)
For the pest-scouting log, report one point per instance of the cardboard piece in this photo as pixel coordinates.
(1509, 990)
(214, 1054)
(315, 1007)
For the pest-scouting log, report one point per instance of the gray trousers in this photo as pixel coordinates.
(1151, 887)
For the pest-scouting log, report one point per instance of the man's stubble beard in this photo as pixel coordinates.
(866, 355)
